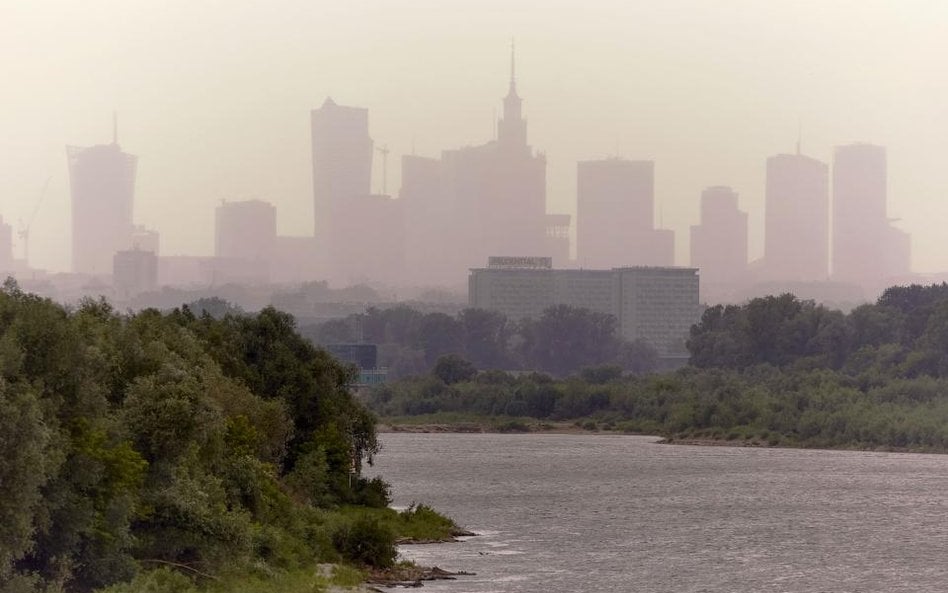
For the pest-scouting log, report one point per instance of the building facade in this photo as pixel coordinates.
(719, 242)
(102, 187)
(342, 170)
(655, 304)
(615, 212)
(134, 271)
(796, 219)
(867, 250)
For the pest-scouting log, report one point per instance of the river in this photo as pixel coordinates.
(596, 513)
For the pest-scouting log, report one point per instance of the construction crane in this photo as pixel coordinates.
(383, 150)
(24, 231)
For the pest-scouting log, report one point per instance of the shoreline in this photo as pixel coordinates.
(566, 428)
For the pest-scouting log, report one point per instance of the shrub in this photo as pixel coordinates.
(366, 541)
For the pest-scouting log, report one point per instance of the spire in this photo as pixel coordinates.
(513, 70)
(512, 129)
(114, 127)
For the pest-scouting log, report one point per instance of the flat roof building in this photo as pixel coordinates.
(655, 304)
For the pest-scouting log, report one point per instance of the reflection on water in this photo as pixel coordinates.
(621, 513)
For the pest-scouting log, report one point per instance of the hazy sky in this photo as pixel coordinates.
(214, 97)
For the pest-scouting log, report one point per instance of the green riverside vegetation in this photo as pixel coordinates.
(776, 370)
(176, 453)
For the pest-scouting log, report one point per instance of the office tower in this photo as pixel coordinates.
(719, 242)
(796, 221)
(615, 210)
(867, 250)
(102, 185)
(342, 165)
(245, 236)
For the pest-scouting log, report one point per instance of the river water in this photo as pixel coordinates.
(578, 513)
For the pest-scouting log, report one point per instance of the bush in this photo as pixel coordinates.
(366, 541)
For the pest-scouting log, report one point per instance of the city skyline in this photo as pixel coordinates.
(227, 119)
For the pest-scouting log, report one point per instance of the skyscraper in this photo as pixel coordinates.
(342, 165)
(488, 200)
(102, 184)
(796, 219)
(867, 250)
(615, 210)
(719, 243)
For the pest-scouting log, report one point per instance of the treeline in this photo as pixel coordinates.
(561, 341)
(776, 370)
(134, 442)
(903, 335)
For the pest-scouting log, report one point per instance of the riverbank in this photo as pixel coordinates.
(762, 439)
(485, 425)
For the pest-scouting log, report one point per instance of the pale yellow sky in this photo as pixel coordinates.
(214, 97)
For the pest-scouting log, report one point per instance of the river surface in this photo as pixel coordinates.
(591, 513)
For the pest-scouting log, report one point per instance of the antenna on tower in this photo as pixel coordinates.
(114, 127)
(513, 63)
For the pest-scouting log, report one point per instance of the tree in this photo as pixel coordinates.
(452, 369)
(486, 338)
(564, 339)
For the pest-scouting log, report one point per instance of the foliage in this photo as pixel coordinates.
(366, 541)
(561, 341)
(173, 446)
(451, 368)
(776, 370)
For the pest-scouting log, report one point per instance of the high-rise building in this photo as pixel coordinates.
(481, 200)
(102, 184)
(342, 167)
(615, 211)
(245, 234)
(719, 243)
(796, 219)
(867, 250)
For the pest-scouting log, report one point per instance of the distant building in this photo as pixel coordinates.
(655, 304)
(615, 211)
(364, 357)
(796, 221)
(295, 260)
(370, 244)
(719, 242)
(146, 239)
(342, 170)
(102, 184)
(867, 250)
(479, 200)
(134, 271)
(245, 230)
(7, 265)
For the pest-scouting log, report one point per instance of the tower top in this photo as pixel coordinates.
(513, 69)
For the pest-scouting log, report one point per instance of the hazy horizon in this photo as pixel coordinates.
(215, 99)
